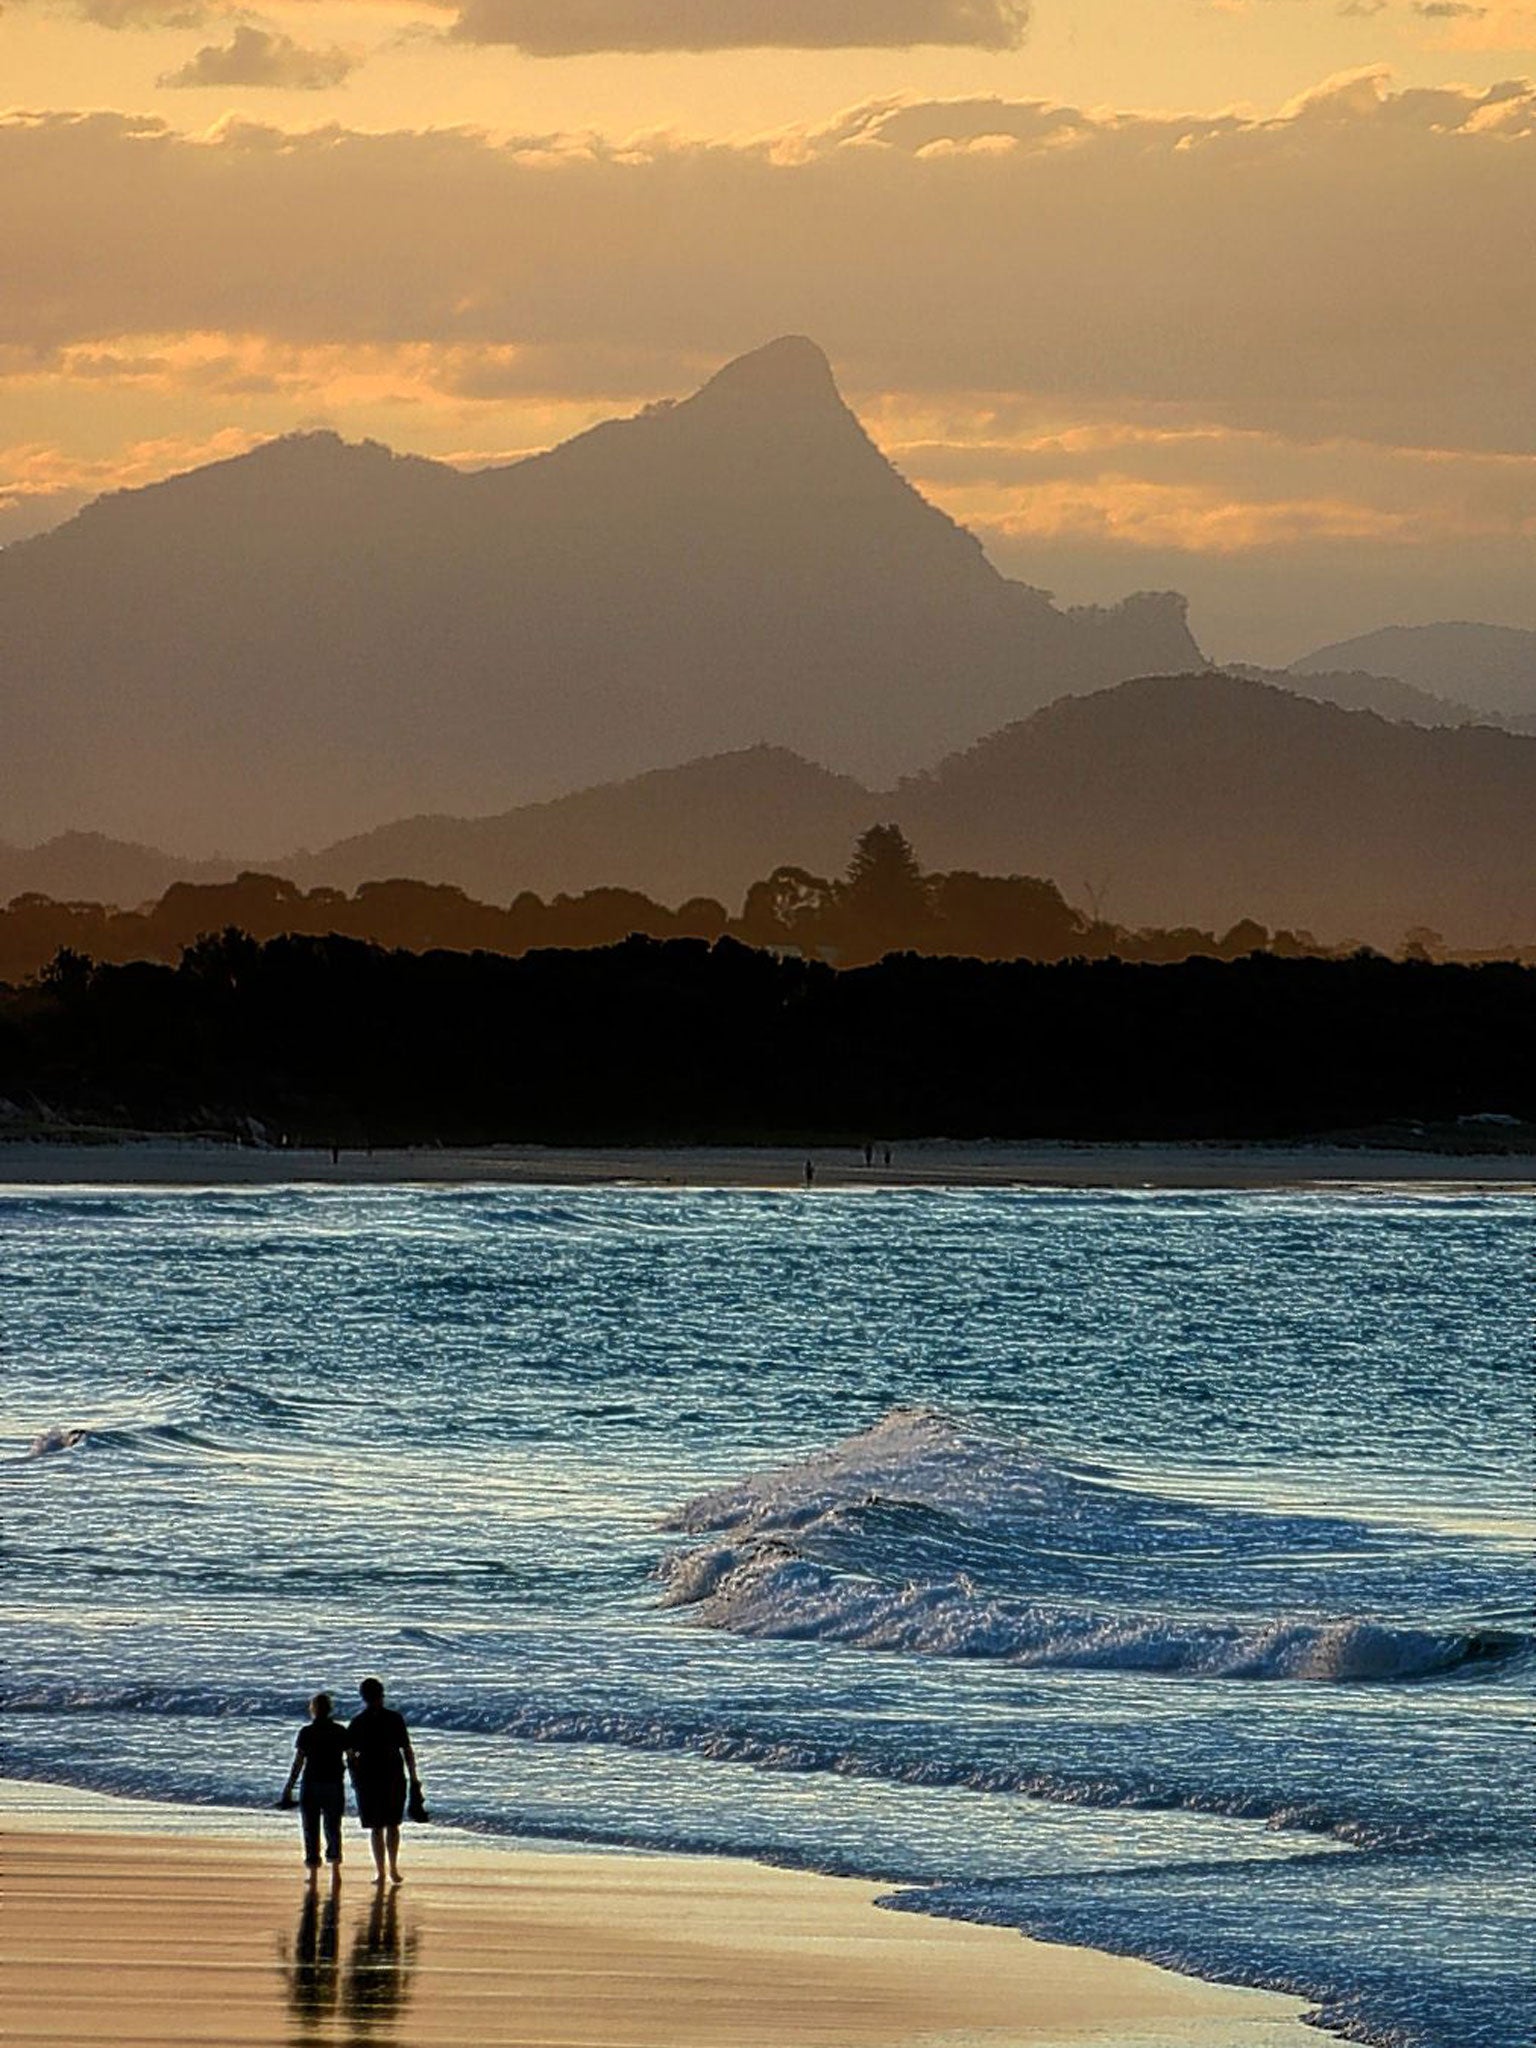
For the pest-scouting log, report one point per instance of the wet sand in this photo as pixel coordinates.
(170, 1162)
(114, 1936)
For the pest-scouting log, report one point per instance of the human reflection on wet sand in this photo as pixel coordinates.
(362, 1999)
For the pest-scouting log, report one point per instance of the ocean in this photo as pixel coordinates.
(1149, 1570)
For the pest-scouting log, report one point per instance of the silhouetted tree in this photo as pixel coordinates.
(883, 899)
(789, 908)
(68, 975)
(329, 1039)
(1003, 917)
(701, 917)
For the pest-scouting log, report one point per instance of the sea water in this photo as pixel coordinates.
(1148, 1570)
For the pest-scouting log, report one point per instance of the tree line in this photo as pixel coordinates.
(884, 903)
(310, 1039)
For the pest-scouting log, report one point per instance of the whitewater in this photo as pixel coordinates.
(1140, 1569)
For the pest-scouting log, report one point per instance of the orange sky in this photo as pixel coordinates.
(1229, 295)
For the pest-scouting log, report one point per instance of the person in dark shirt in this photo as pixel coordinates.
(382, 1763)
(319, 1769)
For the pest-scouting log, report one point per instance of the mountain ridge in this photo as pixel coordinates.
(1196, 800)
(300, 642)
(1491, 667)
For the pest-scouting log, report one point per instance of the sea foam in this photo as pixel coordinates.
(924, 1538)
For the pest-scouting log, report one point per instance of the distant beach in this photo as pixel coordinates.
(143, 1924)
(931, 1162)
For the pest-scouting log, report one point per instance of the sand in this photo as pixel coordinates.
(119, 1935)
(171, 1162)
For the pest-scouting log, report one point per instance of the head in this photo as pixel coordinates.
(372, 1690)
(320, 1707)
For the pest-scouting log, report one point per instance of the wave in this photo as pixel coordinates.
(143, 1438)
(661, 1734)
(922, 1538)
(773, 1593)
(225, 1415)
(48, 1442)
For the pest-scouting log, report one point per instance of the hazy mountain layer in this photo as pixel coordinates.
(86, 867)
(1491, 667)
(1184, 800)
(1358, 690)
(1207, 798)
(728, 819)
(1189, 799)
(315, 637)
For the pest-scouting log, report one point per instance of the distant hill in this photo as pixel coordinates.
(315, 637)
(85, 867)
(1492, 667)
(1207, 798)
(710, 827)
(1358, 690)
(1196, 799)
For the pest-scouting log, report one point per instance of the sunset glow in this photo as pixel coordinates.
(1141, 292)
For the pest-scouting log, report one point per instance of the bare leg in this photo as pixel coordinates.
(377, 1838)
(393, 1838)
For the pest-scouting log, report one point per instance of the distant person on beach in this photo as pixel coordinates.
(383, 1767)
(320, 1772)
(810, 1173)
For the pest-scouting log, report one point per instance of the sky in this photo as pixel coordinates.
(1234, 297)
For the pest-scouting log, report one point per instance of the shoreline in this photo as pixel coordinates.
(130, 1924)
(924, 1163)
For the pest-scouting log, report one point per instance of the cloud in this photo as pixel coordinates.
(565, 28)
(42, 484)
(1483, 30)
(1448, 10)
(1309, 272)
(264, 57)
(143, 13)
(1210, 490)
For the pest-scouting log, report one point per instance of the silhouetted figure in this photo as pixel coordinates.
(320, 1771)
(810, 1173)
(383, 1765)
(314, 1982)
(869, 1154)
(335, 1155)
(378, 1974)
(887, 1155)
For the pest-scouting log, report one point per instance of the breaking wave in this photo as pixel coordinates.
(922, 1538)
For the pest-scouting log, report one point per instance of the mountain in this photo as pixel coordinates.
(1357, 690)
(1176, 800)
(1201, 799)
(1491, 667)
(709, 827)
(85, 867)
(315, 637)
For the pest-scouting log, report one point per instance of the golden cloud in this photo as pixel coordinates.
(565, 28)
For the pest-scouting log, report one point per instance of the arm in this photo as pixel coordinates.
(410, 1759)
(285, 1797)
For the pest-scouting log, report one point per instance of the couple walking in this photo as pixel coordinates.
(376, 1747)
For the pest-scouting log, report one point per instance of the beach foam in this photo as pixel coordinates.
(923, 1537)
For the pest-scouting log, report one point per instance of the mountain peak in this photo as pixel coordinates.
(791, 372)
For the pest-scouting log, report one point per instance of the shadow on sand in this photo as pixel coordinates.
(361, 1998)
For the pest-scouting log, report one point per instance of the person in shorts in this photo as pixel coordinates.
(320, 1772)
(383, 1766)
